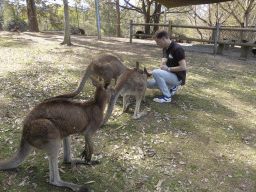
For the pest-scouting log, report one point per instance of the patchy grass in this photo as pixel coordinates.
(204, 140)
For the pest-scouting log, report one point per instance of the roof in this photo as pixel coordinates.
(179, 3)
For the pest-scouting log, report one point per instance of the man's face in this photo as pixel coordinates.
(160, 42)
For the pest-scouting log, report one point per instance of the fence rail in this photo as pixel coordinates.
(218, 43)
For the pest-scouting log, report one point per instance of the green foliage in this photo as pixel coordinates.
(13, 14)
(108, 19)
(50, 16)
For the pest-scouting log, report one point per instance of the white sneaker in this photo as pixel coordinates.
(174, 89)
(163, 99)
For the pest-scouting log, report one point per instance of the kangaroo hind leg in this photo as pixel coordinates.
(52, 149)
(47, 138)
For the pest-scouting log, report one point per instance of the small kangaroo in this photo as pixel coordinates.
(131, 82)
(56, 119)
(105, 67)
(16, 29)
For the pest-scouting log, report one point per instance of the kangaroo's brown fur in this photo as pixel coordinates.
(131, 82)
(106, 67)
(56, 119)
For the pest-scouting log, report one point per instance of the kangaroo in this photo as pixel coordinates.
(131, 82)
(56, 119)
(105, 67)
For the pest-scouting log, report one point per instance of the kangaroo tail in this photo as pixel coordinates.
(21, 155)
(86, 75)
(111, 106)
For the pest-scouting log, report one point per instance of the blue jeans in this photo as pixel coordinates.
(163, 80)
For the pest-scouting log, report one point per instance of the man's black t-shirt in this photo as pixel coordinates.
(174, 54)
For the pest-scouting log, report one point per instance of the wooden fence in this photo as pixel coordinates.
(219, 44)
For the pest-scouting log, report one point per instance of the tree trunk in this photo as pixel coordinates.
(32, 20)
(118, 30)
(147, 27)
(146, 12)
(67, 39)
(77, 16)
(157, 16)
(250, 5)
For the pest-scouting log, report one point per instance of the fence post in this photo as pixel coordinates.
(131, 31)
(98, 19)
(170, 29)
(216, 39)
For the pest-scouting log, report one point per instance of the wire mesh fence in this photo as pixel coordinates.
(237, 35)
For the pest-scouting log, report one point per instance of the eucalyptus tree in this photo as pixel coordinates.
(236, 13)
(241, 11)
(32, 17)
(67, 38)
(152, 11)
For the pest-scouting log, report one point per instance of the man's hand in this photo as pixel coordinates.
(163, 67)
(163, 62)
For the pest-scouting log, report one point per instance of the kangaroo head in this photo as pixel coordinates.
(102, 93)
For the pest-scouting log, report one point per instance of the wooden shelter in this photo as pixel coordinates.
(179, 3)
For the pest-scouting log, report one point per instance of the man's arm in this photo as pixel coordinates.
(163, 62)
(182, 66)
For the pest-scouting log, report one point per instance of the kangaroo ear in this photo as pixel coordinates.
(137, 68)
(146, 72)
(137, 65)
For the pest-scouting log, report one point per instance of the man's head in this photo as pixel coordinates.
(162, 39)
(160, 33)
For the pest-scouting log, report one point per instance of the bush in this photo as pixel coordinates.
(21, 24)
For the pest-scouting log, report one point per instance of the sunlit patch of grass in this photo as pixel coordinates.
(5, 43)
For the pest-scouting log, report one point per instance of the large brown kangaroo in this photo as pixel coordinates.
(106, 67)
(131, 82)
(56, 119)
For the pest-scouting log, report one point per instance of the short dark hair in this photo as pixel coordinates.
(161, 33)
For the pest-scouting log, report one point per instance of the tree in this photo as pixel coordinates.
(240, 10)
(118, 19)
(234, 13)
(145, 7)
(67, 39)
(32, 18)
(77, 13)
(156, 15)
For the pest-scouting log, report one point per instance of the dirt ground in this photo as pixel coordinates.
(202, 141)
(232, 53)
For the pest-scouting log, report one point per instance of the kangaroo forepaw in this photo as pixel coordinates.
(84, 155)
(88, 160)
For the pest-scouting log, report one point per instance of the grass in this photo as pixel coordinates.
(204, 140)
